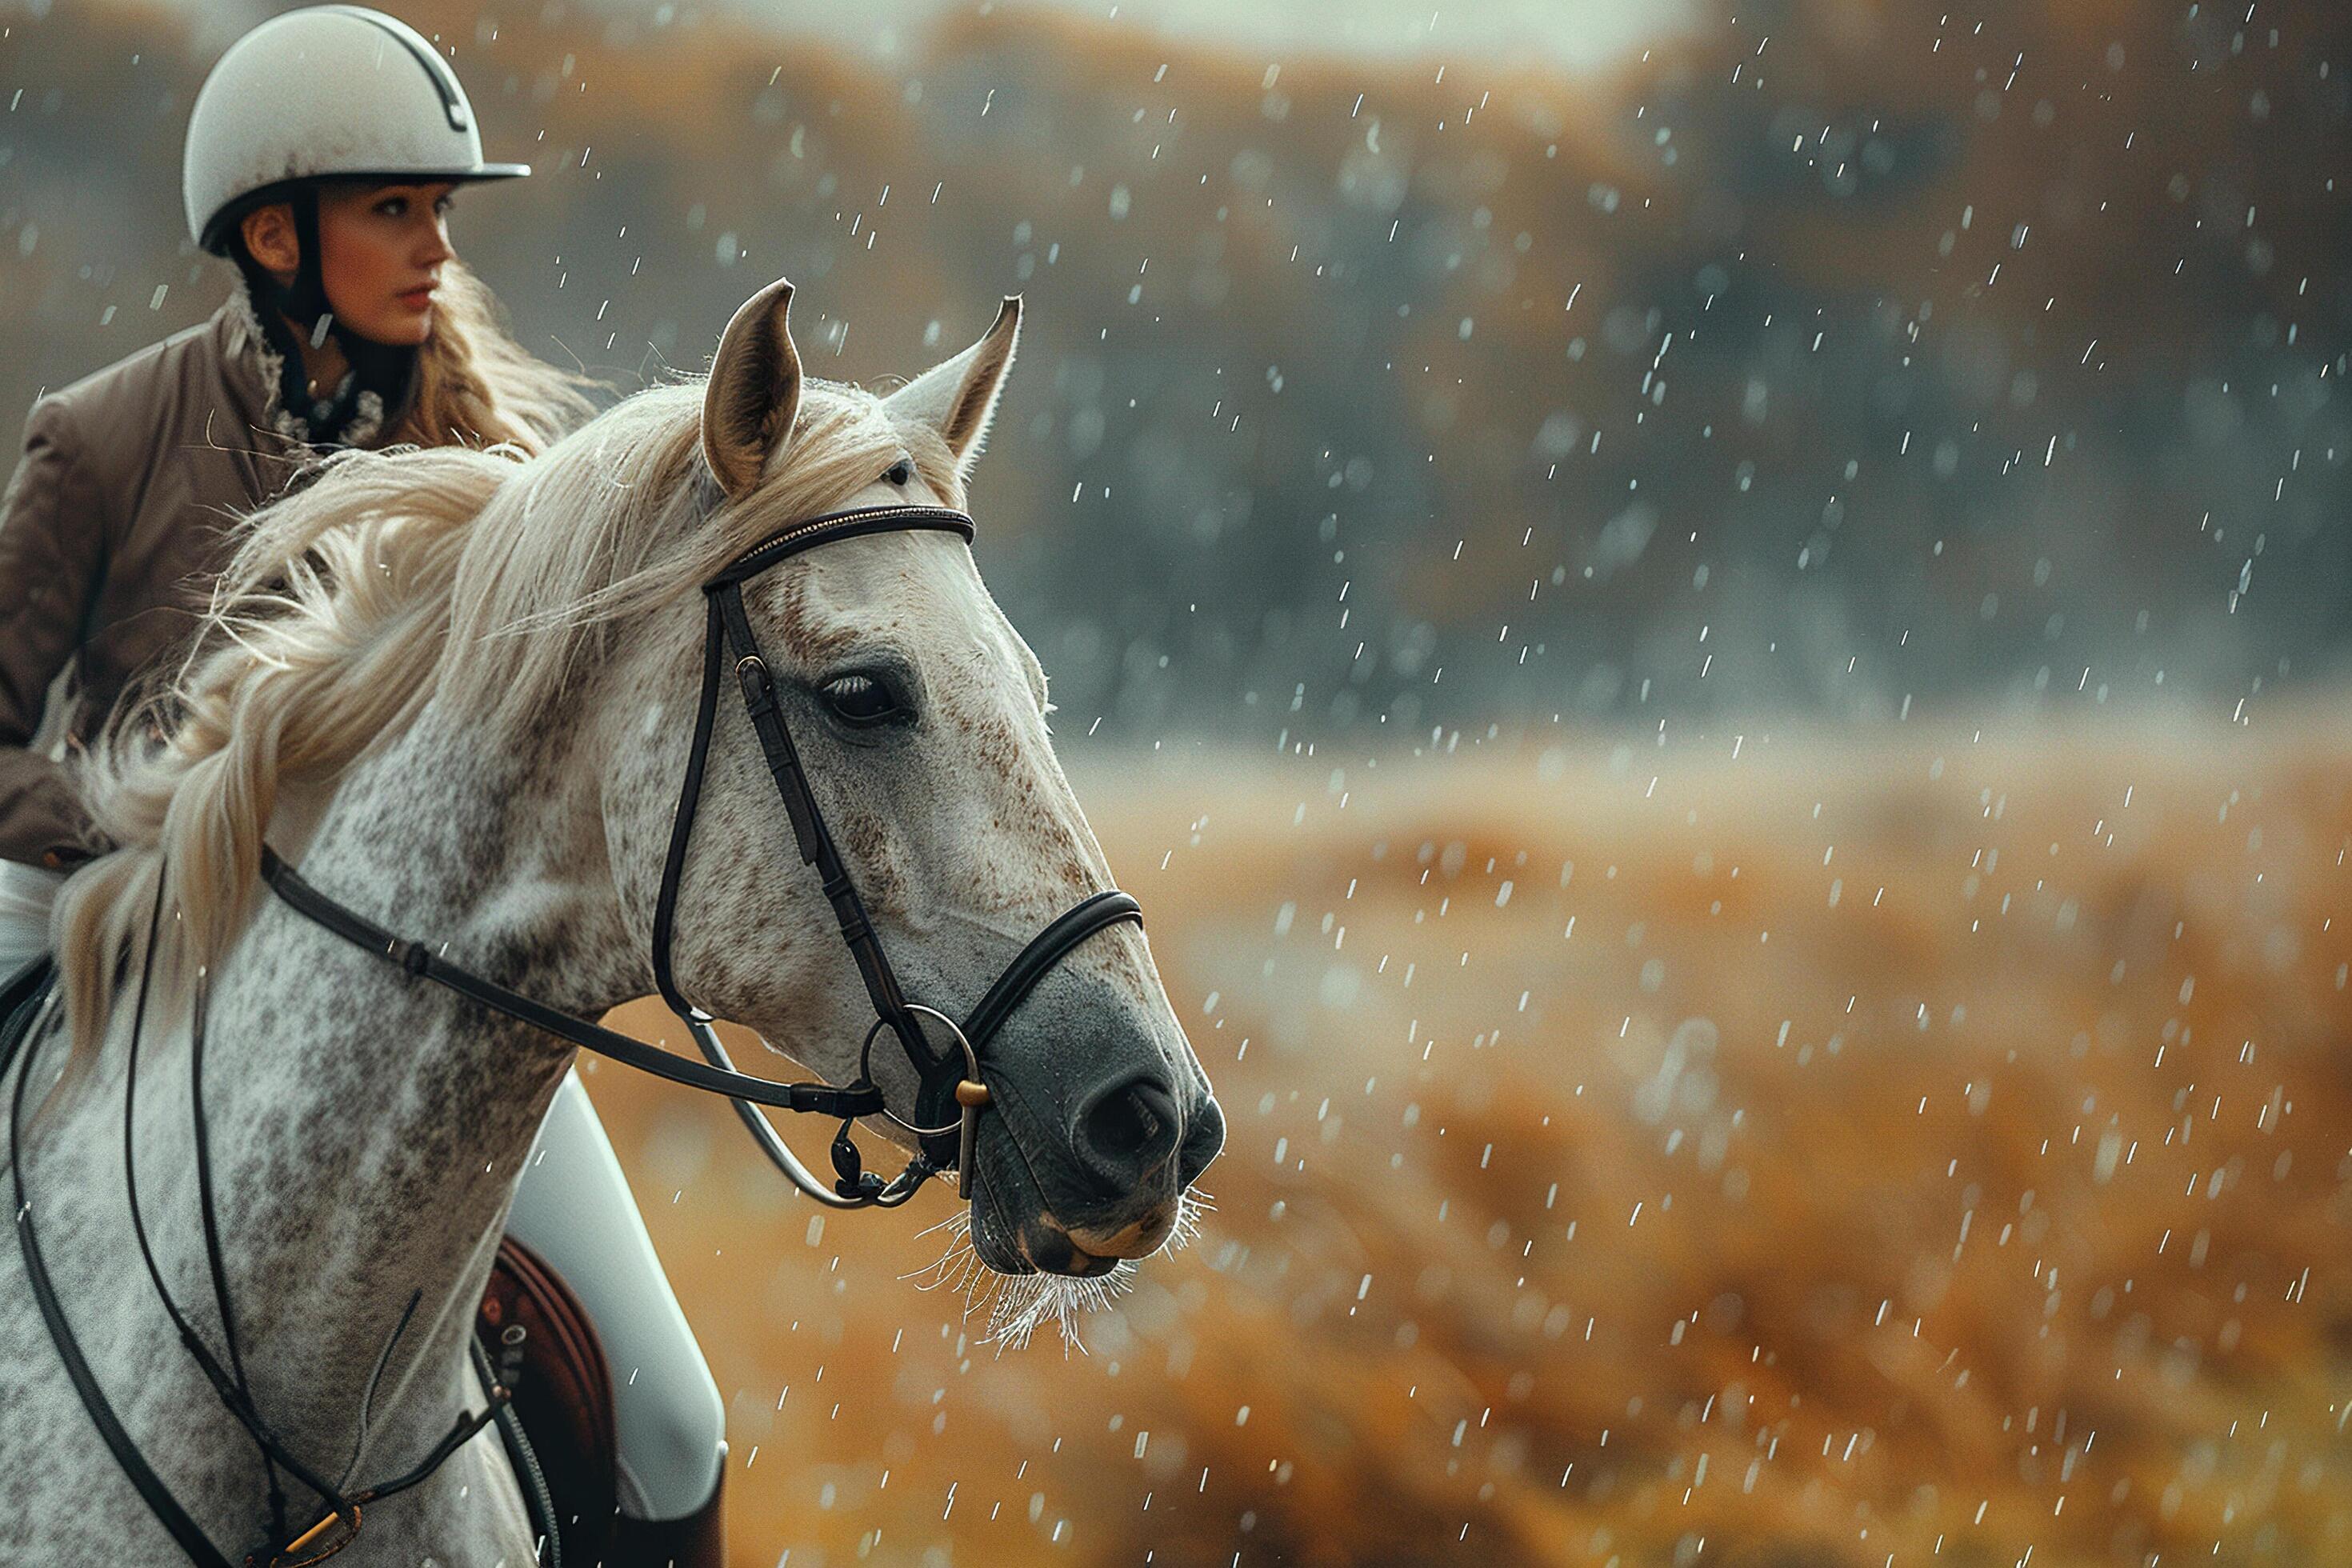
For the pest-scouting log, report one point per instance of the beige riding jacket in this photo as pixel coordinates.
(112, 532)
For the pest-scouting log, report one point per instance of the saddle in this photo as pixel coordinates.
(543, 1346)
(539, 1344)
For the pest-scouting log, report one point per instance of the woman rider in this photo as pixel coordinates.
(320, 159)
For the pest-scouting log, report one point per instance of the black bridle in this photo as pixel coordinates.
(951, 1084)
(952, 1077)
(952, 1081)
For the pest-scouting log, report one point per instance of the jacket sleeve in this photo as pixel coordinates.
(52, 559)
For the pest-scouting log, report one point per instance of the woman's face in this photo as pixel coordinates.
(380, 251)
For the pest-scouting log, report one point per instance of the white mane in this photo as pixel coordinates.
(478, 578)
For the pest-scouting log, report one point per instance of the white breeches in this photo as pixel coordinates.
(25, 894)
(573, 1208)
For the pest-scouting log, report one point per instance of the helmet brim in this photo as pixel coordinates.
(216, 232)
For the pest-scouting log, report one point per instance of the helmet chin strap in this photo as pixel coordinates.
(381, 368)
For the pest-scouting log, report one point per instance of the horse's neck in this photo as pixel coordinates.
(366, 1128)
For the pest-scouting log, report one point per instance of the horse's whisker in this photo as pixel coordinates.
(1018, 1305)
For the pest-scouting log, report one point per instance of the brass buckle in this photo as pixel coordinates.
(286, 1558)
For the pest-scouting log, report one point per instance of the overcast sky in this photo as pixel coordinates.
(1571, 33)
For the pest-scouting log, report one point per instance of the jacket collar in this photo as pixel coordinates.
(247, 347)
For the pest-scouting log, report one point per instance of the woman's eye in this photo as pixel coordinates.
(443, 205)
(860, 699)
(392, 207)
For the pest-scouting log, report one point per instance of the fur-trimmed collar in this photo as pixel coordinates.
(248, 341)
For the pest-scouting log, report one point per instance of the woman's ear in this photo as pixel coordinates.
(270, 239)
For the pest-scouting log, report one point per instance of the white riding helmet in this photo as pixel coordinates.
(332, 91)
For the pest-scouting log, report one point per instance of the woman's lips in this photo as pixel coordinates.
(417, 298)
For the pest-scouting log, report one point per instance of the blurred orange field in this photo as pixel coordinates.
(1929, 1146)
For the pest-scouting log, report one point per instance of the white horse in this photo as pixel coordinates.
(456, 689)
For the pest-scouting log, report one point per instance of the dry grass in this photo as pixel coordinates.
(1918, 1150)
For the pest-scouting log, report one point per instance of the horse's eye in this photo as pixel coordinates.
(901, 472)
(861, 699)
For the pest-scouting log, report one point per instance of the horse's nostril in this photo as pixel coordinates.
(1122, 1124)
(1128, 1129)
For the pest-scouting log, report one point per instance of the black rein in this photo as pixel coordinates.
(950, 1079)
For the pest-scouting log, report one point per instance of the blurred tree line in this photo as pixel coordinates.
(1827, 358)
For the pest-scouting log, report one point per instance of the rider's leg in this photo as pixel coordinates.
(27, 893)
(573, 1208)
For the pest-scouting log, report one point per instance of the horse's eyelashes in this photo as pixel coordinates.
(861, 699)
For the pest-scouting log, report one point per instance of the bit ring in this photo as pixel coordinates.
(970, 1057)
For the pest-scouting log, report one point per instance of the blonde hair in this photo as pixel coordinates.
(474, 385)
(478, 579)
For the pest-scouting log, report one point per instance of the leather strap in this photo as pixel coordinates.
(790, 541)
(419, 961)
(1092, 914)
(141, 1475)
(936, 1097)
(681, 825)
(816, 842)
(539, 1344)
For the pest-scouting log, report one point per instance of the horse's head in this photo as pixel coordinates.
(918, 715)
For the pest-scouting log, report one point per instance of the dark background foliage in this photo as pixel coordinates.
(1825, 358)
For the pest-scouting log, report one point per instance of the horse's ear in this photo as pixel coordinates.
(754, 391)
(957, 397)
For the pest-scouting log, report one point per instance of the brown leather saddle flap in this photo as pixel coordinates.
(543, 1347)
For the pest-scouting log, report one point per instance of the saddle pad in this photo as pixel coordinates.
(543, 1346)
